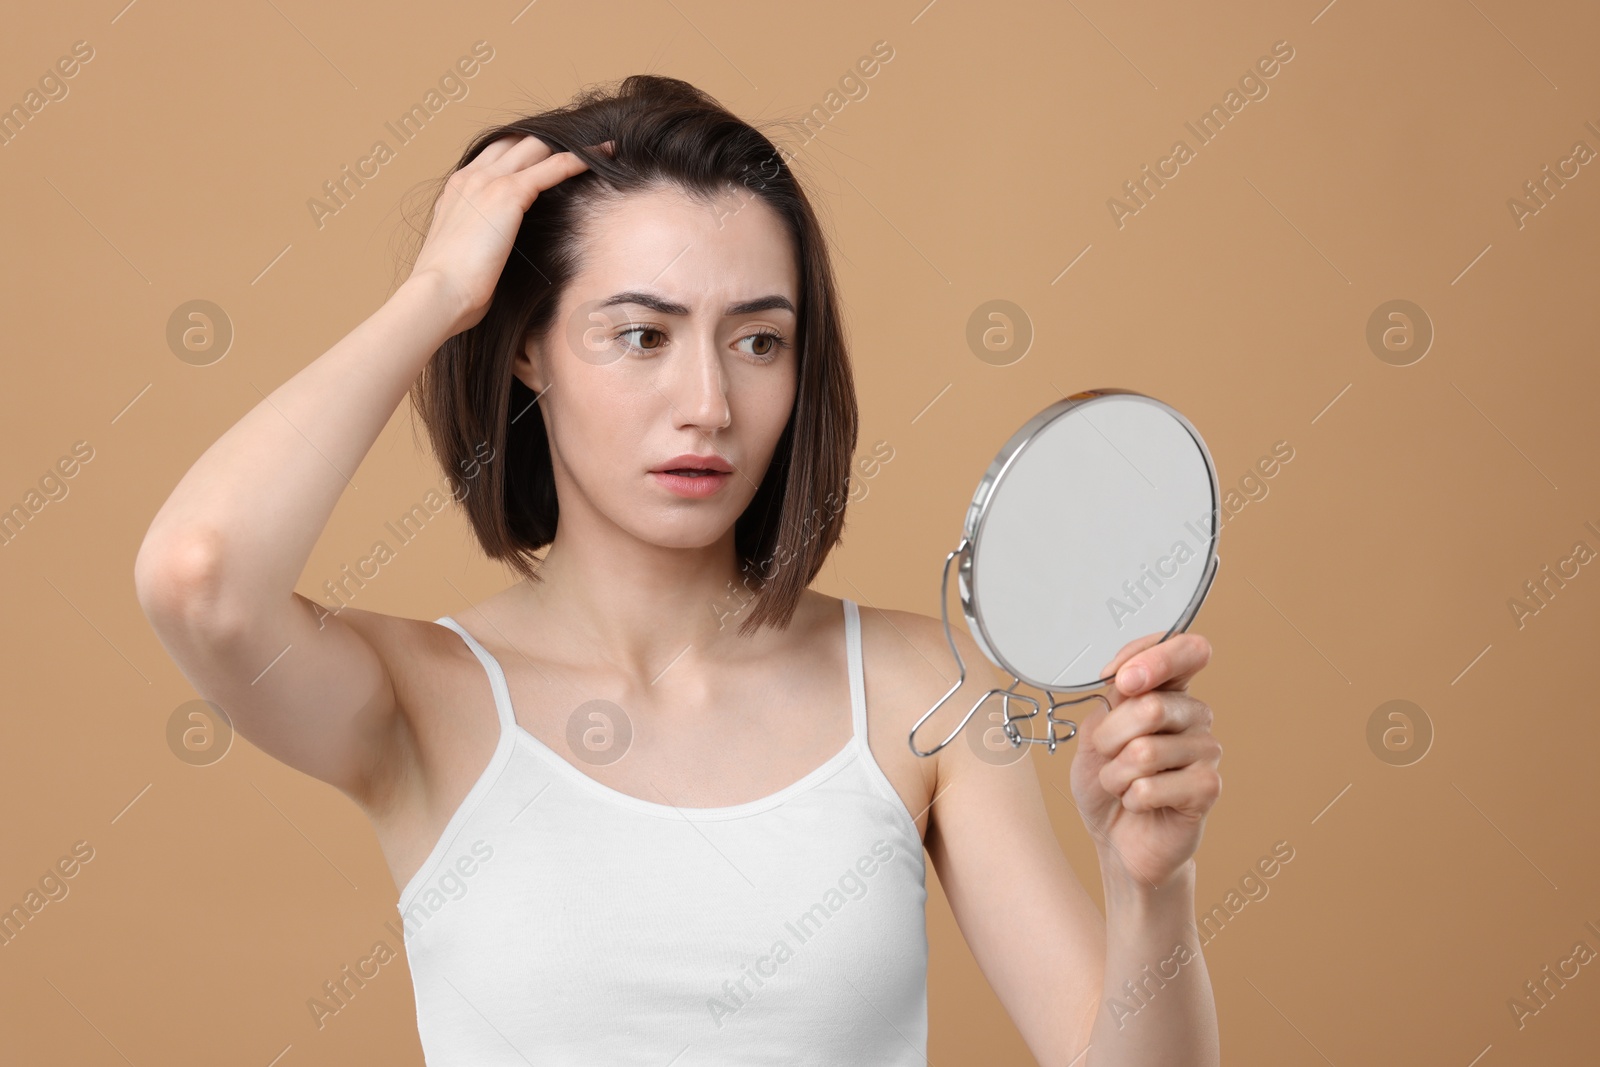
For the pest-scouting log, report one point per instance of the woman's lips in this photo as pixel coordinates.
(702, 484)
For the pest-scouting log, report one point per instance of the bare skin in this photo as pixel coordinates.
(397, 713)
(765, 719)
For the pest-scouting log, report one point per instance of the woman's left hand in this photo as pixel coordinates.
(1145, 773)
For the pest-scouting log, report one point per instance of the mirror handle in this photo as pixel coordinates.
(944, 613)
(1006, 695)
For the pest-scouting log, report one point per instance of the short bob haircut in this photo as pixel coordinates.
(665, 132)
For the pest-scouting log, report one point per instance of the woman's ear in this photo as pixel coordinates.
(529, 365)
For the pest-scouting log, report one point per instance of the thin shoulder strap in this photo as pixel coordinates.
(491, 667)
(858, 684)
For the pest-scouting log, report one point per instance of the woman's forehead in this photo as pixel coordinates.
(685, 250)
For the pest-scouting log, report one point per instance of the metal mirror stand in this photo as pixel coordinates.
(1007, 695)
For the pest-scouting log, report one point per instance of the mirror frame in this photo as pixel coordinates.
(994, 477)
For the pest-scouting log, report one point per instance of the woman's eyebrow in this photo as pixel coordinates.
(669, 307)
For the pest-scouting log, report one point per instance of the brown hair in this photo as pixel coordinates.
(665, 131)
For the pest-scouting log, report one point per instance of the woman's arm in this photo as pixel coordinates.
(1056, 964)
(217, 568)
(1156, 1004)
(216, 572)
(1145, 777)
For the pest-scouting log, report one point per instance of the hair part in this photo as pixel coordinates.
(666, 132)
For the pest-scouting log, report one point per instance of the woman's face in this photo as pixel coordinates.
(677, 337)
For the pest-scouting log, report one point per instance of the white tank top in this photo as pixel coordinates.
(559, 921)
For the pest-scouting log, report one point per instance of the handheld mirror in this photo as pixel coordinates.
(1096, 523)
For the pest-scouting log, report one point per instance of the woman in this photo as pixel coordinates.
(631, 355)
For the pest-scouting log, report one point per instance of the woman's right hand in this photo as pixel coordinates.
(476, 219)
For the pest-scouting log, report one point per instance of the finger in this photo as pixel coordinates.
(1087, 760)
(1192, 791)
(1128, 651)
(497, 148)
(552, 171)
(522, 153)
(1170, 664)
(1161, 712)
(1152, 754)
(541, 151)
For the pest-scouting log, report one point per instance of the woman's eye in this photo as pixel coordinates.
(641, 330)
(767, 345)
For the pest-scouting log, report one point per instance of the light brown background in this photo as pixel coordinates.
(977, 167)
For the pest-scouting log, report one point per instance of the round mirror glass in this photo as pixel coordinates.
(1095, 525)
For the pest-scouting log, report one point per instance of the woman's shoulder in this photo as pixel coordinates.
(909, 668)
(910, 650)
(424, 643)
(397, 637)
(424, 659)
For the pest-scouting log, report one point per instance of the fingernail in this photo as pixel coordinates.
(1135, 677)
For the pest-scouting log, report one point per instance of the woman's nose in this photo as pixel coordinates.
(698, 390)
